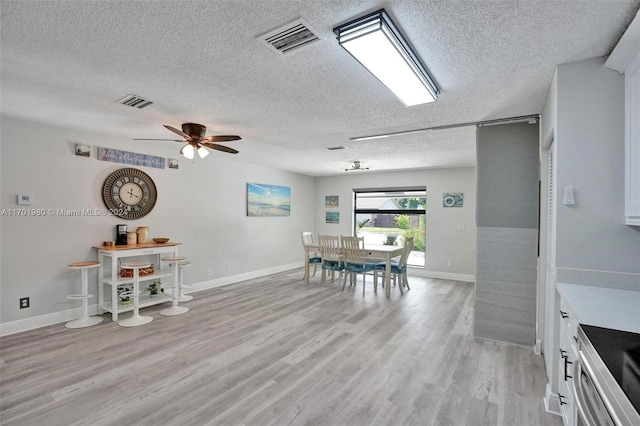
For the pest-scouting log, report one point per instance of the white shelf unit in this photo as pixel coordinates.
(108, 270)
(144, 301)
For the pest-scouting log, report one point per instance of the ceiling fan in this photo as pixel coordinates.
(356, 167)
(193, 135)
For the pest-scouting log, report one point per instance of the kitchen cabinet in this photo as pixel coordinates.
(109, 275)
(632, 142)
(598, 306)
(569, 321)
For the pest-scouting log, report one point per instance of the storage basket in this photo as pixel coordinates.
(128, 273)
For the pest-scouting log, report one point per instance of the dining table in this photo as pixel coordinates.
(383, 252)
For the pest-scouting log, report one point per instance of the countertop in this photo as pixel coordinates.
(603, 307)
(137, 246)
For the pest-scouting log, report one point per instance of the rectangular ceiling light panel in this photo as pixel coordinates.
(377, 44)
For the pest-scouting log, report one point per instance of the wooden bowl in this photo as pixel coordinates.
(161, 240)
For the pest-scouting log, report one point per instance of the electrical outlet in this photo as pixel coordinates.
(24, 302)
(228, 266)
(209, 272)
(449, 262)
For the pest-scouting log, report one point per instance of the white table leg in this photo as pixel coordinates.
(100, 283)
(306, 265)
(387, 276)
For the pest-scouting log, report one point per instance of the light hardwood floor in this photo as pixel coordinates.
(273, 351)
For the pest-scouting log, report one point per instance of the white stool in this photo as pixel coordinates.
(181, 285)
(174, 309)
(85, 320)
(136, 319)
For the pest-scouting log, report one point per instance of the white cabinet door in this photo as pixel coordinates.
(632, 142)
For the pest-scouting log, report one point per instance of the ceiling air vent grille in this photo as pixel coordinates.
(135, 102)
(290, 37)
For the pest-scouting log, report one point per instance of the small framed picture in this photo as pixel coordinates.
(172, 163)
(452, 199)
(331, 201)
(83, 150)
(332, 217)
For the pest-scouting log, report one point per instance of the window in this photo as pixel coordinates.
(387, 215)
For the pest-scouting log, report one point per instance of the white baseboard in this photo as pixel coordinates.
(538, 347)
(231, 279)
(419, 272)
(71, 314)
(44, 320)
(551, 401)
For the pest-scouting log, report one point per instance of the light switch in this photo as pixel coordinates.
(460, 227)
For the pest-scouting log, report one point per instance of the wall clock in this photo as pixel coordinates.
(129, 193)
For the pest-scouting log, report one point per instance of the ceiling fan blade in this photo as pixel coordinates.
(220, 147)
(171, 140)
(178, 132)
(221, 138)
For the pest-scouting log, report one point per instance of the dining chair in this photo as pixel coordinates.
(331, 257)
(314, 258)
(355, 261)
(399, 268)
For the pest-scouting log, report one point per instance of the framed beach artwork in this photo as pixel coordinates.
(332, 217)
(452, 199)
(331, 201)
(268, 200)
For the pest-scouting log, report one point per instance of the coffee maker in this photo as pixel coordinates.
(121, 235)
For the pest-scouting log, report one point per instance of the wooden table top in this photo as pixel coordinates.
(136, 246)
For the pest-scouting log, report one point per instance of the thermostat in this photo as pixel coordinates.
(24, 200)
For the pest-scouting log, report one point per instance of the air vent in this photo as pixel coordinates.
(336, 148)
(135, 102)
(290, 37)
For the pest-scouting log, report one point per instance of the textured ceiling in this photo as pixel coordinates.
(66, 63)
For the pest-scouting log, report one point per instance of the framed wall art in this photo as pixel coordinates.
(268, 200)
(332, 217)
(452, 199)
(331, 201)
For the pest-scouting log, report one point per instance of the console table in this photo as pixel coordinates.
(109, 274)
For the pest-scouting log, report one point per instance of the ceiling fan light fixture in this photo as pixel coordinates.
(357, 166)
(188, 151)
(375, 42)
(203, 152)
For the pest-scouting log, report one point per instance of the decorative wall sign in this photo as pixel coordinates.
(452, 199)
(268, 200)
(331, 201)
(133, 158)
(332, 217)
(83, 150)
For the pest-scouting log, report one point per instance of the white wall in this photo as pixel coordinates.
(202, 205)
(590, 156)
(584, 117)
(443, 241)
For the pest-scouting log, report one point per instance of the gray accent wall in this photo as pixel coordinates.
(507, 233)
